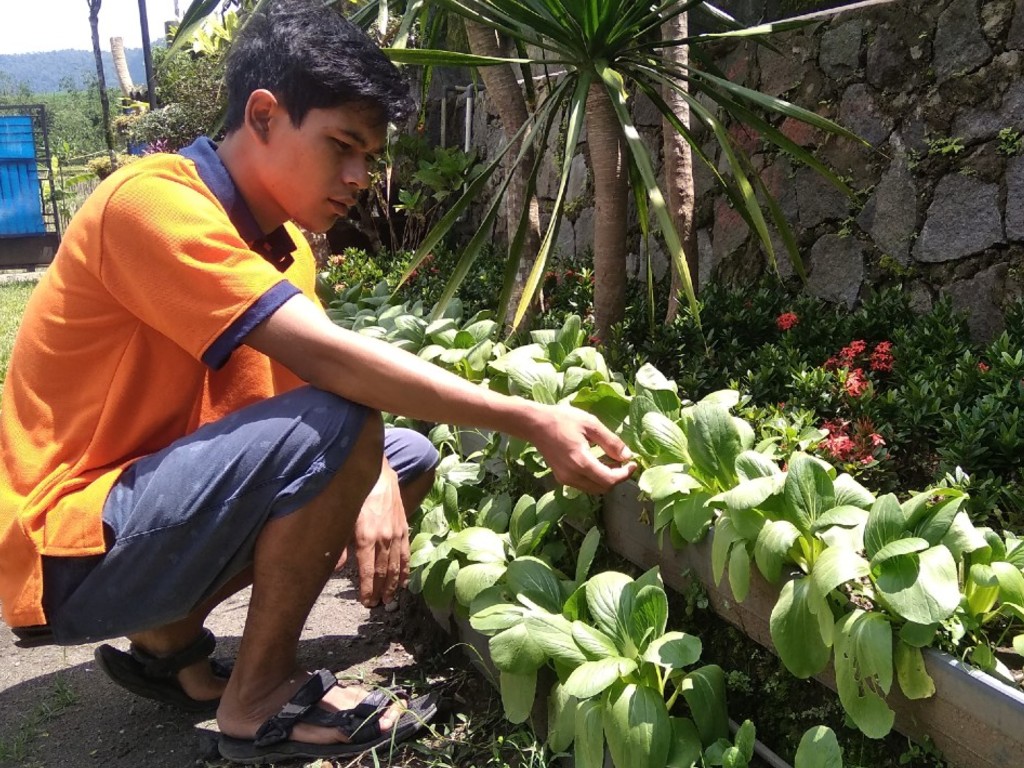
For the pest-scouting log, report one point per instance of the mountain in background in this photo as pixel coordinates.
(43, 72)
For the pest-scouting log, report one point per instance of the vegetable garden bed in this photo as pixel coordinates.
(973, 718)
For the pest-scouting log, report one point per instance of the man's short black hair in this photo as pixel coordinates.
(311, 57)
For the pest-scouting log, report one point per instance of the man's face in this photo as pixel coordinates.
(317, 170)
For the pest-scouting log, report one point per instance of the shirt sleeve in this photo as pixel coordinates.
(171, 256)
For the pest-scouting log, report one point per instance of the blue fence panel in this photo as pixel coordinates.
(21, 211)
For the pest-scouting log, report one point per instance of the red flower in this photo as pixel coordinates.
(881, 357)
(856, 384)
(786, 320)
(983, 367)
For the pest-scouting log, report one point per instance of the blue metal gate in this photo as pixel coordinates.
(21, 203)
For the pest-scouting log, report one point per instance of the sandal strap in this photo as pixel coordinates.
(277, 728)
(168, 666)
(362, 722)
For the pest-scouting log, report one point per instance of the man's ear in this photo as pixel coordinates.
(260, 111)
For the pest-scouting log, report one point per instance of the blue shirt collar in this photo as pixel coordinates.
(277, 246)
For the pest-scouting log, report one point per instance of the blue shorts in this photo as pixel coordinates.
(183, 521)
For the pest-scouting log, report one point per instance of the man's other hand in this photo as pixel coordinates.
(381, 542)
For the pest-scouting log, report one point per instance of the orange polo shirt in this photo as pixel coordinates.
(132, 339)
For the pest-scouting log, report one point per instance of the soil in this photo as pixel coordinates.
(58, 710)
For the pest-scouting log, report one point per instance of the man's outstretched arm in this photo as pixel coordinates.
(374, 373)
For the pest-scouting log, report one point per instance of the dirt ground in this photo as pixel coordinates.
(57, 710)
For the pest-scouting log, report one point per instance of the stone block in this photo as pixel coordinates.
(985, 124)
(705, 256)
(839, 56)
(565, 242)
(859, 112)
(890, 216)
(836, 269)
(1016, 37)
(644, 112)
(584, 231)
(730, 230)
(963, 219)
(817, 200)
(578, 177)
(960, 45)
(1015, 199)
(981, 299)
(888, 60)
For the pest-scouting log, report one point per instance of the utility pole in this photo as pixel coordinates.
(147, 54)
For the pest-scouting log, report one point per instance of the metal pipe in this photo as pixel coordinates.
(470, 98)
(761, 750)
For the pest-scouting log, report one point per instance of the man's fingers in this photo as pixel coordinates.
(367, 562)
(610, 443)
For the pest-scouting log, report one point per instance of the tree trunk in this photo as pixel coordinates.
(124, 77)
(94, 24)
(505, 93)
(679, 168)
(611, 193)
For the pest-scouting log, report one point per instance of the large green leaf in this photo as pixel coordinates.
(739, 572)
(819, 748)
(704, 692)
(648, 617)
(553, 633)
(863, 669)
(593, 677)
(914, 680)
(593, 642)
(666, 480)
(588, 749)
(849, 491)
(751, 493)
(518, 692)
(922, 587)
(514, 650)
(752, 464)
(536, 580)
(907, 546)
(637, 728)
(666, 435)
(479, 545)
(771, 550)
(663, 391)
(674, 650)
(588, 549)
(474, 579)
(886, 523)
(686, 749)
(837, 566)
(604, 597)
(715, 442)
(561, 718)
(809, 492)
(798, 628)
(724, 539)
(496, 618)
(692, 515)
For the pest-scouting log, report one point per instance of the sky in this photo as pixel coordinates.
(51, 25)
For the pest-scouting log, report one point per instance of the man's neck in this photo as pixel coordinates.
(240, 160)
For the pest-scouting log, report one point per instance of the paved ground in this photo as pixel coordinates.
(58, 711)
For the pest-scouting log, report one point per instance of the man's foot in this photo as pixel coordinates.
(309, 715)
(187, 679)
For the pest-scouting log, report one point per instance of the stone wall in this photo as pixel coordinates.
(936, 88)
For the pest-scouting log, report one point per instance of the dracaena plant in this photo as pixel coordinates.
(597, 57)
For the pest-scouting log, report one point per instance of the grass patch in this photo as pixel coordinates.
(13, 298)
(15, 748)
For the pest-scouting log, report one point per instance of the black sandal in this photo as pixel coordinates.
(360, 724)
(155, 677)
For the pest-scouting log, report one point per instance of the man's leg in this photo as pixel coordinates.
(294, 557)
